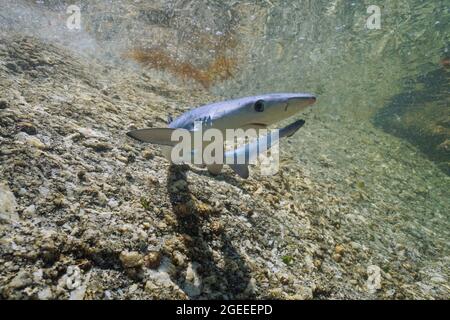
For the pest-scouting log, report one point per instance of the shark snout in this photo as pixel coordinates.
(301, 101)
(310, 100)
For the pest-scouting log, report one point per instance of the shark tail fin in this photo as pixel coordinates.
(241, 170)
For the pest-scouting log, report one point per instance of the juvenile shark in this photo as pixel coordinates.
(256, 112)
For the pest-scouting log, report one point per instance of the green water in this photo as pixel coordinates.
(325, 47)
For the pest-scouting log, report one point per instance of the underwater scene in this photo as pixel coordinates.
(93, 206)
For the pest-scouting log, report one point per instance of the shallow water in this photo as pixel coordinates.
(377, 143)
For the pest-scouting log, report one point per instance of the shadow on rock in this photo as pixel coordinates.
(225, 279)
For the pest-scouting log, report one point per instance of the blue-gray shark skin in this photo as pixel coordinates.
(249, 112)
(256, 112)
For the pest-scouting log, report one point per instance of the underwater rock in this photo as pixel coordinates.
(78, 293)
(153, 259)
(8, 205)
(102, 199)
(20, 281)
(30, 210)
(12, 66)
(113, 203)
(131, 259)
(373, 278)
(30, 140)
(99, 146)
(45, 294)
(27, 127)
(193, 282)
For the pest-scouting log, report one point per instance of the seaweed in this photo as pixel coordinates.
(221, 68)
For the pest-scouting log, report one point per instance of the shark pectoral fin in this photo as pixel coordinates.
(291, 129)
(215, 169)
(160, 136)
(241, 170)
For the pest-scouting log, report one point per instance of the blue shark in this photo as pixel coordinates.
(255, 112)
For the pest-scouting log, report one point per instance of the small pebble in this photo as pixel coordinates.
(131, 259)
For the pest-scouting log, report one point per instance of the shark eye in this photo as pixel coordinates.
(259, 106)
